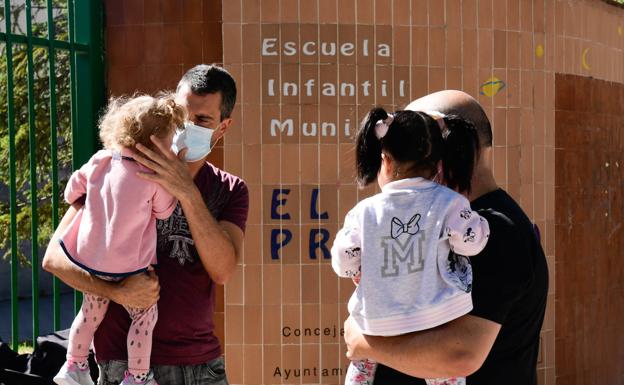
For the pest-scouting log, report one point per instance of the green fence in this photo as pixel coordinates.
(52, 84)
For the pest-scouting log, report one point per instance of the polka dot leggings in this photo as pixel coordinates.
(139, 336)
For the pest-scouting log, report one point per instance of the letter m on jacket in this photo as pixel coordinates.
(402, 255)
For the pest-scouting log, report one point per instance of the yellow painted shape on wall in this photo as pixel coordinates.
(539, 50)
(492, 86)
(584, 59)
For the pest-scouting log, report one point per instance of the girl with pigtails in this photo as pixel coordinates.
(407, 247)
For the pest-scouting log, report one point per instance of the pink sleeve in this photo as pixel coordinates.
(77, 184)
(163, 203)
(468, 232)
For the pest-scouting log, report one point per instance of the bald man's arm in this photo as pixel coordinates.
(455, 349)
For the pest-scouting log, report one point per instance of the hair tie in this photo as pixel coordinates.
(439, 118)
(381, 127)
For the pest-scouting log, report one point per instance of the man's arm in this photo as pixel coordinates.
(218, 243)
(138, 290)
(455, 349)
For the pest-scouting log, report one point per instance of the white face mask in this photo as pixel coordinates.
(197, 139)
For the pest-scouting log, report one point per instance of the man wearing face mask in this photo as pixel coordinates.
(198, 246)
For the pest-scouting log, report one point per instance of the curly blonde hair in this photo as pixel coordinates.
(131, 120)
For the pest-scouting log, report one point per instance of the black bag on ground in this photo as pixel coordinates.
(13, 366)
(11, 377)
(10, 359)
(42, 365)
(49, 355)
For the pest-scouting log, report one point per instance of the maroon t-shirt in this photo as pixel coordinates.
(184, 334)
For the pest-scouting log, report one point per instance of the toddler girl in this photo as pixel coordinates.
(407, 244)
(114, 234)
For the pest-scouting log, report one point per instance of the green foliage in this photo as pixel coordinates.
(42, 133)
(25, 347)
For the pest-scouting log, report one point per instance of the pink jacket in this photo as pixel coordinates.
(114, 233)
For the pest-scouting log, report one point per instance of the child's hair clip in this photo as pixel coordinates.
(439, 118)
(381, 127)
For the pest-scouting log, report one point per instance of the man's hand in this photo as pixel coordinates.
(170, 170)
(355, 340)
(138, 290)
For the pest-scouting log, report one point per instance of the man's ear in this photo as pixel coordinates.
(223, 127)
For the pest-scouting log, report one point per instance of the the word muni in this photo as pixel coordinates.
(287, 127)
(271, 47)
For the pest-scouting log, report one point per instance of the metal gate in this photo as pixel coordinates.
(52, 88)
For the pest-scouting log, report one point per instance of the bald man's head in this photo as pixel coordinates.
(453, 102)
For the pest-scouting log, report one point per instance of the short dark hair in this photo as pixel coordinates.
(209, 79)
(461, 151)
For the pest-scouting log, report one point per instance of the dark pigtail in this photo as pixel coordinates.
(368, 148)
(460, 153)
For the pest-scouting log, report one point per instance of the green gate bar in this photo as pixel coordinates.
(34, 220)
(76, 163)
(85, 29)
(87, 80)
(56, 283)
(42, 42)
(12, 176)
(89, 27)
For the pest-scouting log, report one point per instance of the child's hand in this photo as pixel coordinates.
(356, 279)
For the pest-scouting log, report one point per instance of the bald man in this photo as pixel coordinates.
(498, 342)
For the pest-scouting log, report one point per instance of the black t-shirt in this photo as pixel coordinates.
(510, 287)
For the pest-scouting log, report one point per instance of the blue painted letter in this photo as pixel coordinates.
(320, 244)
(276, 243)
(275, 203)
(313, 203)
